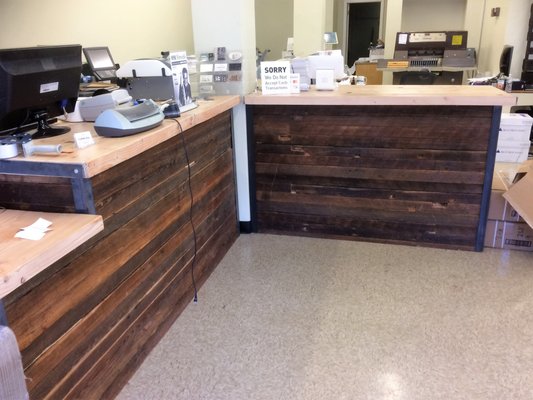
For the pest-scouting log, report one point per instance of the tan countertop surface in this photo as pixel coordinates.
(419, 95)
(22, 259)
(108, 152)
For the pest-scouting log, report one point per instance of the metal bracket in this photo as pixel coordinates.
(3, 316)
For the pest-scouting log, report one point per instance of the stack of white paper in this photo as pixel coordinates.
(299, 66)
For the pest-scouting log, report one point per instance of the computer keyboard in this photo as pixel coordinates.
(106, 74)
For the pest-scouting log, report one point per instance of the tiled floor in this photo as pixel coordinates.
(299, 318)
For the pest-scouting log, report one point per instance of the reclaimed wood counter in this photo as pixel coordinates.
(391, 95)
(87, 322)
(109, 152)
(395, 164)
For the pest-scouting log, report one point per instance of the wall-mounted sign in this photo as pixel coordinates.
(276, 77)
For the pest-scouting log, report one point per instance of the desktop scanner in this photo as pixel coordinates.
(125, 121)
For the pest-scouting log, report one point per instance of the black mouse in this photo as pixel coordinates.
(172, 110)
(99, 92)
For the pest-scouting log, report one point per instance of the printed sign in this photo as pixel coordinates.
(180, 75)
(457, 40)
(276, 77)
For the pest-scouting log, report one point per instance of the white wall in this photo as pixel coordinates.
(433, 15)
(215, 26)
(274, 20)
(516, 32)
(492, 37)
(509, 28)
(393, 9)
(330, 16)
(130, 28)
(474, 13)
(339, 20)
(134, 29)
(309, 26)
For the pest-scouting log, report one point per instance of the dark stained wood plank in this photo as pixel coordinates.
(400, 211)
(108, 320)
(452, 237)
(378, 127)
(422, 157)
(370, 170)
(37, 193)
(445, 197)
(269, 181)
(307, 158)
(389, 174)
(127, 352)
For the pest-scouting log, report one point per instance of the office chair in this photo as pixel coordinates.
(417, 78)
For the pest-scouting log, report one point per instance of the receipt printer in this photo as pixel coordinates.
(91, 107)
(148, 79)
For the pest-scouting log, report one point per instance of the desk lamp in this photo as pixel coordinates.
(330, 38)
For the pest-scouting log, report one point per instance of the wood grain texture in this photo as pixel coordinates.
(399, 174)
(391, 95)
(102, 308)
(22, 259)
(109, 152)
(18, 192)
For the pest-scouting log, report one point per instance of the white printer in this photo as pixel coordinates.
(91, 107)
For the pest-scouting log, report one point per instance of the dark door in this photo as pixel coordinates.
(363, 28)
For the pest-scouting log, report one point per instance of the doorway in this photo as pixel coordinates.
(363, 28)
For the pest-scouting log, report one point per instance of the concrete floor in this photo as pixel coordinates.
(301, 318)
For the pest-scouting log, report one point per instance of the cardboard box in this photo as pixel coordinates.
(520, 194)
(515, 127)
(499, 208)
(509, 235)
(510, 224)
(510, 151)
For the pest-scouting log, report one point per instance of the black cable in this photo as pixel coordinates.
(182, 134)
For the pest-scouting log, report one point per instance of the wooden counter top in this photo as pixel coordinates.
(108, 152)
(419, 95)
(22, 259)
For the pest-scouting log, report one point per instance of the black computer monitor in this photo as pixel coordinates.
(100, 62)
(505, 60)
(37, 84)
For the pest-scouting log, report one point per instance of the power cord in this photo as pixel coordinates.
(182, 134)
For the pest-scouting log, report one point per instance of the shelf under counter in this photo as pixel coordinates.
(23, 259)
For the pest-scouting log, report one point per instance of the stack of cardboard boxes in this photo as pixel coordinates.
(513, 139)
(510, 219)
